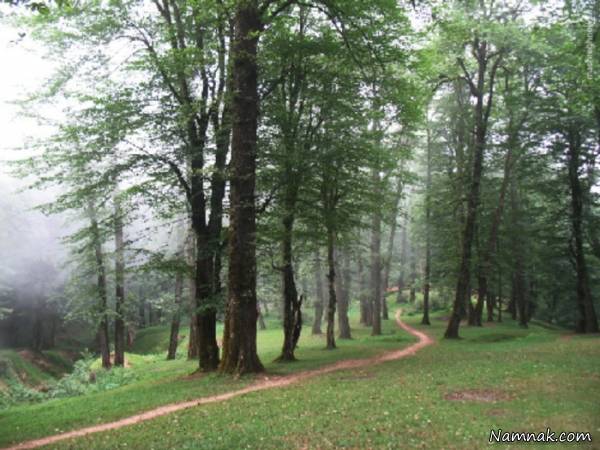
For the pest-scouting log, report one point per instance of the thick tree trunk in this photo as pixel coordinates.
(190, 252)
(103, 336)
(343, 295)
(174, 336)
(320, 298)
(206, 315)
(587, 321)
(119, 286)
(239, 341)
(331, 305)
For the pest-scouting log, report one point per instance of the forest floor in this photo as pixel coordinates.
(155, 382)
(449, 395)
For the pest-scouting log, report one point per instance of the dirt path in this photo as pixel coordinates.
(269, 383)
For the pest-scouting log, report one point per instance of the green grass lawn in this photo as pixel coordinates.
(159, 381)
(534, 378)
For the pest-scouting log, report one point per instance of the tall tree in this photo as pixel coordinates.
(487, 58)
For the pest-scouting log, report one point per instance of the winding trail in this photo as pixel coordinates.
(267, 383)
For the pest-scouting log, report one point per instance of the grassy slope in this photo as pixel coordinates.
(160, 382)
(42, 370)
(550, 382)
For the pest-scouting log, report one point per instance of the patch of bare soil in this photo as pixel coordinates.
(260, 385)
(477, 395)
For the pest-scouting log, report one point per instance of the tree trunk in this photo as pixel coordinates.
(320, 299)
(403, 258)
(489, 255)
(261, 321)
(174, 337)
(391, 242)
(482, 112)
(103, 336)
(499, 295)
(489, 303)
(375, 293)
(366, 316)
(291, 308)
(119, 286)
(331, 287)
(343, 296)
(520, 301)
(413, 276)
(206, 311)
(192, 350)
(587, 322)
(427, 277)
(239, 340)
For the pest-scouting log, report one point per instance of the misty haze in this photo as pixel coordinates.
(274, 224)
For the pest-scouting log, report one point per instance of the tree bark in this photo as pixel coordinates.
(331, 287)
(119, 286)
(103, 336)
(403, 259)
(427, 277)
(261, 321)
(489, 303)
(174, 336)
(291, 304)
(239, 340)
(366, 316)
(320, 299)
(343, 295)
(375, 293)
(520, 300)
(192, 351)
(587, 322)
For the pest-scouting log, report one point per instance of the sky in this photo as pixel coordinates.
(23, 70)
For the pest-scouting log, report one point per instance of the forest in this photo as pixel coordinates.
(299, 224)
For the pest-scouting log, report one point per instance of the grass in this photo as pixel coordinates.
(28, 373)
(160, 382)
(540, 380)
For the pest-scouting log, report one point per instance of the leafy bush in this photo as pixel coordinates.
(83, 380)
